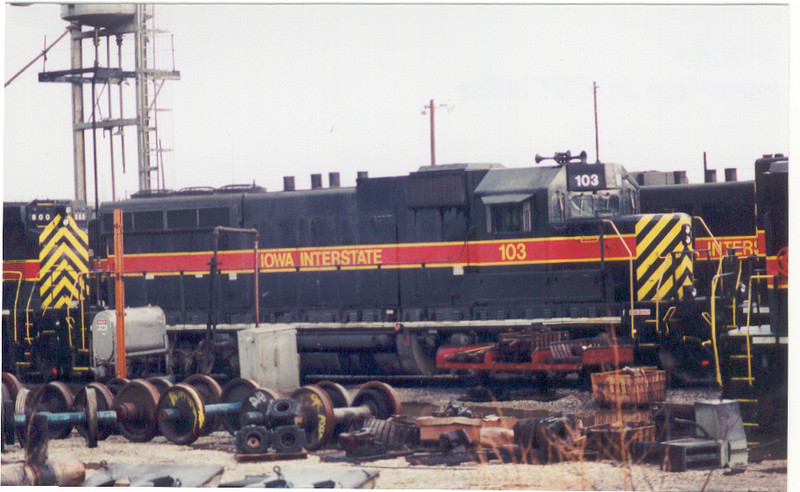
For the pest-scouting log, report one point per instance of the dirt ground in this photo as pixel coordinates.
(217, 449)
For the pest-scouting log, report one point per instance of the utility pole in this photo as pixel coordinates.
(425, 109)
(596, 137)
(433, 137)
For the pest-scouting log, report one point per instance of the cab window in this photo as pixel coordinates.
(581, 206)
(506, 218)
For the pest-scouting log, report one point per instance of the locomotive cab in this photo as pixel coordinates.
(544, 200)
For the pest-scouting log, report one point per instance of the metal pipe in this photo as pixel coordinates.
(119, 293)
(43, 53)
(211, 323)
(433, 138)
(110, 130)
(630, 259)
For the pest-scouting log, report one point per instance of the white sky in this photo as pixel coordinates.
(268, 91)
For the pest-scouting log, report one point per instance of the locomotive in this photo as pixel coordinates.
(403, 275)
(745, 235)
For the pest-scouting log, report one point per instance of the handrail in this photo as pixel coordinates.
(703, 222)
(657, 300)
(16, 298)
(82, 299)
(749, 298)
(714, 326)
(714, 319)
(28, 313)
(630, 266)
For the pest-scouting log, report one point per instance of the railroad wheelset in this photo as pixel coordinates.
(321, 419)
(184, 412)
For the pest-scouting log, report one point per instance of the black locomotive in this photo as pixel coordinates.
(380, 277)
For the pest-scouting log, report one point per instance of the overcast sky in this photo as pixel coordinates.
(268, 91)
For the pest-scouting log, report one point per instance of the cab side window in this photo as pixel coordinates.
(510, 217)
(506, 218)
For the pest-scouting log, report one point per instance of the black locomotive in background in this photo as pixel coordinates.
(378, 277)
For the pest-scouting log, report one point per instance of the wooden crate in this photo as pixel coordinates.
(629, 386)
(618, 441)
(618, 416)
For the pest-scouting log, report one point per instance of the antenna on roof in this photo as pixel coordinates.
(596, 138)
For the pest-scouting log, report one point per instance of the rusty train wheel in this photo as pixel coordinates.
(211, 393)
(105, 401)
(339, 396)
(316, 413)
(136, 405)
(192, 421)
(54, 397)
(236, 390)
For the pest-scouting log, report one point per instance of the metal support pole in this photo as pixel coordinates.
(433, 138)
(119, 294)
(78, 142)
(596, 137)
(142, 113)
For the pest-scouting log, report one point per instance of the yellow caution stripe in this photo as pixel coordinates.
(63, 257)
(663, 260)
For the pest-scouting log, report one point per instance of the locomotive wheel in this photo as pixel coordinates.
(8, 419)
(381, 399)
(90, 424)
(54, 397)
(412, 356)
(339, 396)
(136, 405)
(259, 401)
(192, 421)
(22, 407)
(236, 390)
(211, 393)
(161, 383)
(12, 385)
(104, 401)
(116, 384)
(316, 411)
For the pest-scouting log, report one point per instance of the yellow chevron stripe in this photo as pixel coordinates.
(61, 237)
(62, 293)
(48, 229)
(64, 284)
(63, 251)
(69, 274)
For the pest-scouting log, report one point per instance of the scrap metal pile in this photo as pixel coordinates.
(371, 425)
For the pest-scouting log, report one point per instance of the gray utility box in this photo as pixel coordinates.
(268, 356)
(723, 421)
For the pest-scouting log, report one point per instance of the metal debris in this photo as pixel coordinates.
(149, 475)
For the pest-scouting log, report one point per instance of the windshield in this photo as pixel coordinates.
(593, 205)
